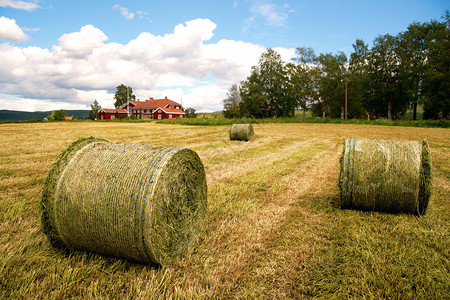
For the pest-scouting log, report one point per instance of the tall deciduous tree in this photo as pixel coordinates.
(93, 113)
(332, 82)
(387, 97)
(413, 50)
(436, 83)
(302, 78)
(122, 95)
(358, 81)
(264, 92)
(231, 105)
(255, 102)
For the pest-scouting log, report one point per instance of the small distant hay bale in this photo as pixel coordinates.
(386, 175)
(140, 202)
(241, 132)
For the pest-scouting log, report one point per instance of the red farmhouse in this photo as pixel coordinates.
(149, 109)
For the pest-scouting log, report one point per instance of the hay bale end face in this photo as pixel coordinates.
(140, 202)
(241, 132)
(385, 175)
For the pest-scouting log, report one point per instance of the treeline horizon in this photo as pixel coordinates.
(398, 73)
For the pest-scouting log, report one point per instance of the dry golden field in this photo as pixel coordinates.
(274, 228)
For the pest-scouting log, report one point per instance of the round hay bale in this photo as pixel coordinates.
(241, 132)
(140, 202)
(385, 175)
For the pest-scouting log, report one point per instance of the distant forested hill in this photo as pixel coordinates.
(13, 115)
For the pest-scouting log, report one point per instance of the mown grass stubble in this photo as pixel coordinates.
(274, 229)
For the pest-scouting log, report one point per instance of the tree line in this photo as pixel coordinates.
(396, 74)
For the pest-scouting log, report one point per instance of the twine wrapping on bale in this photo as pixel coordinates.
(140, 202)
(385, 175)
(241, 132)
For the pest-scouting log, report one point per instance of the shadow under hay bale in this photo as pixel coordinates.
(140, 202)
(385, 175)
(241, 132)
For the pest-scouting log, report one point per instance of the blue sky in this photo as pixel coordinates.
(65, 54)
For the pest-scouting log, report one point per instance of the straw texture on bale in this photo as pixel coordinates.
(241, 132)
(386, 175)
(140, 202)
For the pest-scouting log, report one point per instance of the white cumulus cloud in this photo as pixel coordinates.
(83, 66)
(82, 43)
(207, 98)
(10, 31)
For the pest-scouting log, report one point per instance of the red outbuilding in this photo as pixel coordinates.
(111, 113)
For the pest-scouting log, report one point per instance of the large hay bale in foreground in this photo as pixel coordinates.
(241, 132)
(385, 175)
(140, 202)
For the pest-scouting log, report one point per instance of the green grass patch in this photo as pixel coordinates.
(218, 120)
(384, 122)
